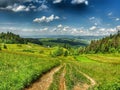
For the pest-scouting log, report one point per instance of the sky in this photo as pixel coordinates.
(60, 17)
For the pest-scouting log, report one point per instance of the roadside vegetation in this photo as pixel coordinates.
(18, 71)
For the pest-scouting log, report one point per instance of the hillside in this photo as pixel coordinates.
(37, 67)
(109, 44)
(11, 38)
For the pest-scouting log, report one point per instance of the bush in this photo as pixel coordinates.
(27, 50)
(5, 46)
(41, 51)
(19, 45)
(66, 53)
(58, 52)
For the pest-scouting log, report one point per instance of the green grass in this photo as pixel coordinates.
(56, 81)
(73, 76)
(28, 48)
(18, 71)
(106, 58)
(106, 74)
(21, 64)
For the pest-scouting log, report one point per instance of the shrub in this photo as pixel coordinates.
(5, 46)
(66, 53)
(57, 52)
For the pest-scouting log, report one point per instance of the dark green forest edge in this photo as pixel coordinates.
(109, 44)
(24, 60)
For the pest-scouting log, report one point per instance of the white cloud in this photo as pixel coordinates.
(93, 28)
(46, 19)
(42, 7)
(118, 28)
(95, 24)
(109, 14)
(102, 29)
(117, 19)
(44, 29)
(20, 8)
(95, 21)
(57, 1)
(91, 18)
(86, 2)
(79, 2)
(17, 8)
(64, 30)
(56, 17)
(18, 5)
(59, 26)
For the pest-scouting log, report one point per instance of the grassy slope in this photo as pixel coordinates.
(106, 74)
(18, 69)
(21, 64)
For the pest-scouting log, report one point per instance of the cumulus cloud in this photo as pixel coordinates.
(95, 21)
(42, 7)
(60, 30)
(59, 26)
(46, 19)
(57, 1)
(38, 5)
(109, 14)
(20, 5)
(73, 2)
(79, 2)
(117, 19)
(4, 3)
(93, 28)
(17, 8)
(91, 18)
(118, 28)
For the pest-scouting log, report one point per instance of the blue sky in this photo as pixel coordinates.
(60, 17)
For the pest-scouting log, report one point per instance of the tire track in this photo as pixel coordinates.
(85, 86)
(62, 80)
(45, 81)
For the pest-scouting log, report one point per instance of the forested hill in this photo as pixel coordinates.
(110, 44)
(11, 38)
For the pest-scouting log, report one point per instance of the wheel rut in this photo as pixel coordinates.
(62, 80)
(45, 81)
(85, 86)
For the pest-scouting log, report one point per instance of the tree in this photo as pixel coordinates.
(66, 53)
(5, 46)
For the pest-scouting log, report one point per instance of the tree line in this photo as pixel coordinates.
(109, 44)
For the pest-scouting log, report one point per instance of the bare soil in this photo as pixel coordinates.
(85, 86)
(45, 81)
(62, 80)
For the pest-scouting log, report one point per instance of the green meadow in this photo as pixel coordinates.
(28, 62)
(22, 64)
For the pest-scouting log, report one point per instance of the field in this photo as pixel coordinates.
(19, 69)
(106, 74)
(25, 66)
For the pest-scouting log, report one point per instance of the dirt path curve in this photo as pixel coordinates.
(92, 81)
(62, 80)
(45, 81)
(85, 86)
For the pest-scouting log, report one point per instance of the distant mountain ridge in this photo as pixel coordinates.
(11, 38)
